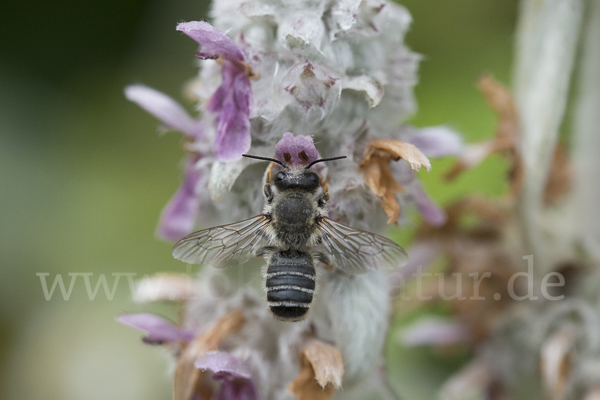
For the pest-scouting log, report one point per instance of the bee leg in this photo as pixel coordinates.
(268, 192)
(323, 200)
(264, 250)
(328, 266)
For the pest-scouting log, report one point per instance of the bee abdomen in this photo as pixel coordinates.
(290, 285)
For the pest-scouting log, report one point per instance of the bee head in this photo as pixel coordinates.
(304, 180)
(294, 178)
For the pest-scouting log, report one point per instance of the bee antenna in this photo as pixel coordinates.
(265, 159)
(325, 159)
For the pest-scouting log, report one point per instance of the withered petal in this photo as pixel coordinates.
(391, 207)
(505, 141)
(321, 372)
(375, 167)
(326, 361)
(555, 363)
(165, 287)
(398, 149)
(501, 101)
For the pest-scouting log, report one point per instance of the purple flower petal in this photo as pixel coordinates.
(433, 214)
(218, 361)
(289, 149)
(437, 141)
(159, 330)
(234, 374)
(435, 332)
(164, 108)
(178, 218)
(232, 103)
(214, 42)
(420, 256)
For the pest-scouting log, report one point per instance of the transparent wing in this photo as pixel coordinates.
(356, 252)
(225, 245)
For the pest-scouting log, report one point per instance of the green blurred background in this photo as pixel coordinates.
(84, 176)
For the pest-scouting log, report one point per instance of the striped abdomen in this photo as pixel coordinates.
(290, 284)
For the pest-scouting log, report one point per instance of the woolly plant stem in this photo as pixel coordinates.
(547, 36)
(586, 141)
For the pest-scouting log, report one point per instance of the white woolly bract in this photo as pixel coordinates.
(358, 309)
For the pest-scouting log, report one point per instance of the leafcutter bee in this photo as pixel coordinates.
(293, 234)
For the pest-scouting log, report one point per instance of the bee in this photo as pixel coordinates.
(293, 233)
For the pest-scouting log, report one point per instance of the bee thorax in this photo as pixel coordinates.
(294, 219)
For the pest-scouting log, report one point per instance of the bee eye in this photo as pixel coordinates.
(279, 177)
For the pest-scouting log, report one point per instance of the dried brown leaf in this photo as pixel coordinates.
(391, 207)
(505, 141)
(188, 379)
(326, 360)
(501, 101)
(398, 149)
(372, 174)
(375, 167)
(321, 372)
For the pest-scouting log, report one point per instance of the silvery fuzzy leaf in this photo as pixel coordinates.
(386, 16)
(245, 198)
(359, 311)
(399, 101)
(223, 176)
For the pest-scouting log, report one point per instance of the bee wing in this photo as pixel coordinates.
(225, 245)
(356, 252)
